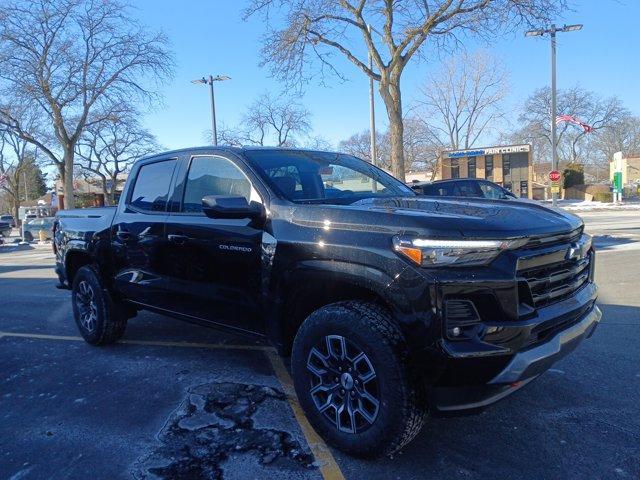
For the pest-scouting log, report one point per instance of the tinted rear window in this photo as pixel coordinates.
(151, 189)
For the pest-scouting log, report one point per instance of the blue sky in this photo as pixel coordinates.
(210, 37)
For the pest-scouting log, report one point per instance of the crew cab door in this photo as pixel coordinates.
(215, 263)
(138, 241)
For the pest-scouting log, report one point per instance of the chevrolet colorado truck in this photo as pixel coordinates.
(391, 305)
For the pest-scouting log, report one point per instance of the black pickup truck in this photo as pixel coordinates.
(391, 305)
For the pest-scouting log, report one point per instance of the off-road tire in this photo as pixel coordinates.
(110, 318)
(402, 407)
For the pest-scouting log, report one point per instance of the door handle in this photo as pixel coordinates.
(177, 239)
(124, 235)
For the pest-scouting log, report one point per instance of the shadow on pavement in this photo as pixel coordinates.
(18, 268)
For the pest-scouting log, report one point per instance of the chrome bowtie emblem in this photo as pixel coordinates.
(574, 252)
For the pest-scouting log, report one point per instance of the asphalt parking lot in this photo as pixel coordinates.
(175, 400)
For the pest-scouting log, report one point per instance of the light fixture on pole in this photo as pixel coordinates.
(209, 81)
(552, 33)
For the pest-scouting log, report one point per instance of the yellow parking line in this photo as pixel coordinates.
(328, 466)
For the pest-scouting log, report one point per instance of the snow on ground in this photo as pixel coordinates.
(584, 206)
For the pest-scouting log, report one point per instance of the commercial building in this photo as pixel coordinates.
(510, 166)
(630, 169)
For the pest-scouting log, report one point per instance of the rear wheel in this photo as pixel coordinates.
(100, 319)
(354, 381)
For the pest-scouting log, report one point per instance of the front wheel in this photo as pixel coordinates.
(100, 319)
(354, 380)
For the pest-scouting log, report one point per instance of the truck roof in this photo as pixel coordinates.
(227, 148)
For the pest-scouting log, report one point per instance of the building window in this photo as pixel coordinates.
(488, 167)
(506, 165)
(455, 168)
(472, 167)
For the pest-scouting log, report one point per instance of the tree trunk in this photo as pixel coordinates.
(67, 179)
(105, 190)
(16, 205)
(390, 93)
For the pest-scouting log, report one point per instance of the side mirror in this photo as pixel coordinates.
(224, 206)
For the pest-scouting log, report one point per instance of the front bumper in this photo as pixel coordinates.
(523, 367)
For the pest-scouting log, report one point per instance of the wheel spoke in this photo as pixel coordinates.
(336, 341)
(312, 366)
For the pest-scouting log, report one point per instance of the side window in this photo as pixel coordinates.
(152, 186)
(213, 175)
(490, 191)
(464, 189)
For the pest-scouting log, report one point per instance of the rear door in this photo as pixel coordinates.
(138, 241)
(215, 264)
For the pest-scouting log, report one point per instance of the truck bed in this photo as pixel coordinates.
(85, 220)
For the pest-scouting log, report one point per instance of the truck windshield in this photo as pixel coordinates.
(323, 177)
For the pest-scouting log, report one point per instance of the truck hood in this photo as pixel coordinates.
(471, 218)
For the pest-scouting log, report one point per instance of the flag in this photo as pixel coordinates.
(569, 119)
(3, 179)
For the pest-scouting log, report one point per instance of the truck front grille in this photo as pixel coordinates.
(554, 282)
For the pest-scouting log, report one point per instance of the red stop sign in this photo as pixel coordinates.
(554, 176)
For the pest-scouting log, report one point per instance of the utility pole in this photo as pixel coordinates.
(554, 134)
(209, 81)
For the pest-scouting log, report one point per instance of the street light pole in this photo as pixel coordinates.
(209, 81)
(214, 128)
(554, 134)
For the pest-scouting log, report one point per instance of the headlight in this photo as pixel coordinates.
(435, 252)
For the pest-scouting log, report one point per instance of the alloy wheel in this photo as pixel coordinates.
(344, 384)
(87, 307)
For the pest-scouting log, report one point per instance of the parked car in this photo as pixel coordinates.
(463, 187)
(5, 228)
(391, 305)
(31, 228)
(9, 219)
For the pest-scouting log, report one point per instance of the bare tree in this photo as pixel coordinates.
(15, 160)
(108, 148)
(572, 141)
(622, 136)
(318, 142)
(421, 146)
(462, 101)
(359, 145)
(270, 121)
(309, 32)
(71, 59)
